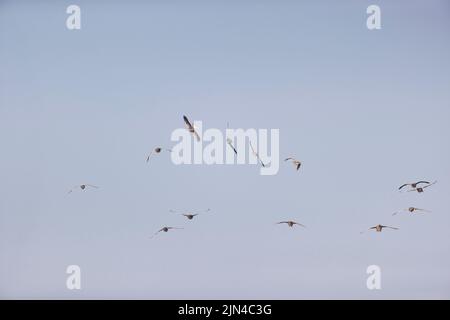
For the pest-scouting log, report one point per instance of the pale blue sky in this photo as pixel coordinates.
(364, 110)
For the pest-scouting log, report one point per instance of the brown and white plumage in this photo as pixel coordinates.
(411, 210)
(165, 229)
(82, 187)
(191, 128)
(291, 223)
(297, 164)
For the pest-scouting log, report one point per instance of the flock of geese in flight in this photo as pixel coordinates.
(413, 187)
(418, 187)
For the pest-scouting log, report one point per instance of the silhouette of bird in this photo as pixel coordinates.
(297, 164)
(189, 215)
(291, 223)
(165, 229)
(256, 154)
(156, 150)
(191, 128)
(82, 187)
(411, 210)
(413, 185)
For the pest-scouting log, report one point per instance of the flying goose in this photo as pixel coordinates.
(297, 164)
(413, 185)
(291, 223)
(82, 187)
(411, 210)
(165, 229)
(191, 128)
(230, 143)
(256, 154)
(379, 228)
(422, 189)
(189, 215)
(156, 151)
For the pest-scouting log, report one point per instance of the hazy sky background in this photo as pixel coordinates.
(364, 110)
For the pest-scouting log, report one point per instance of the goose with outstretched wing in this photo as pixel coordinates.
(230, 142)
(291, 223)
(191, 128)
(82, 187)
(155, 151)
(380, 227)
(297, 164)
(164, 229)
(189, 215)
(411, 210)
(413, 184)
(422, 189)
(257, 155)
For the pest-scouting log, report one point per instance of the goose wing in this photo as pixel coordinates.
(186, 120)
(390, 227)
(302, 225)
(430, 184)
(195, 134)
(257, 155)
